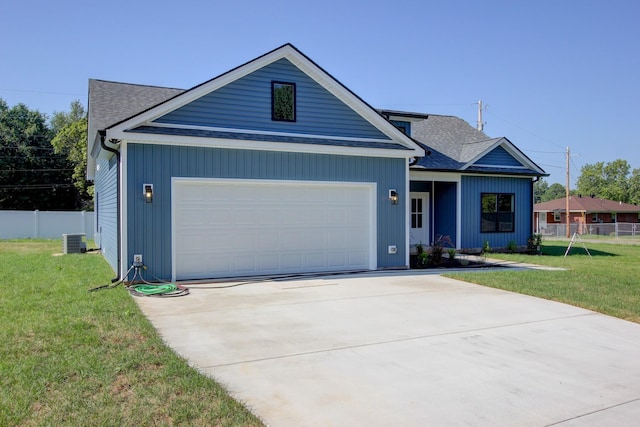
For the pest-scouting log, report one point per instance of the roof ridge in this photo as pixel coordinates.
(483, 140)
(136, 84)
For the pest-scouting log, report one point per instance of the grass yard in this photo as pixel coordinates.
(70, 357)
(608, 282)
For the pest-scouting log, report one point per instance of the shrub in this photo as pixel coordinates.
(438, 248)
(534, 243)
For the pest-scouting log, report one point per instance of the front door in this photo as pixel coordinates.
(419, 219)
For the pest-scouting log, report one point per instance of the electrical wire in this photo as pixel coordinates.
(163, 289)
(280, 278)
(139, 286)
(116, 284)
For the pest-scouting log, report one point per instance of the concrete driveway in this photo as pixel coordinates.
(405, 348)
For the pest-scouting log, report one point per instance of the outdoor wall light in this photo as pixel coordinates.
(147, 191)
(393, 197)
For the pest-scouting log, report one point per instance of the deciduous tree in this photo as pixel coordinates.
(608, 181)
(71, 141)
(545, 192)
(32, 175)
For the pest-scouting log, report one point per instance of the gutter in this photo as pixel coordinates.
(103, 135)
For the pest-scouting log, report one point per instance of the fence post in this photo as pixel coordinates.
(36, 224)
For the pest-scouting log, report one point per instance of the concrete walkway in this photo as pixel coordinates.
(406, 349)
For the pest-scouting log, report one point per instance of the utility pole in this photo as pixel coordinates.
(480, 122)
(567, 196)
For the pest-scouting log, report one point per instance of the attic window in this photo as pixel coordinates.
(283, 101)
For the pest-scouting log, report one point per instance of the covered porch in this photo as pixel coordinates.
(434, 200)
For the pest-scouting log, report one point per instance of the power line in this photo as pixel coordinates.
(551, 166)
(34, 170)
(35, 186)
(46, 92)
(29, 147)
(546, 152)
(526, 130)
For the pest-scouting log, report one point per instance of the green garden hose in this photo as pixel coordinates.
(164, 290)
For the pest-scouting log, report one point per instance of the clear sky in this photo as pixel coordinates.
(554, 73)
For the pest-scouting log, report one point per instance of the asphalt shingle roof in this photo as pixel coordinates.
(451, 136)
(113, 102)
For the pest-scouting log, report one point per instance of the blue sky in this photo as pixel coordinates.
(553, 73)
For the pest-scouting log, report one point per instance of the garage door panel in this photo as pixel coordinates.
(358, 258)
(292, 241)
(338, 238)
(268, 215)
(244, 216)
(338, 258)
(234, 228)
(269, 263)
(292, 262)
(315, 216)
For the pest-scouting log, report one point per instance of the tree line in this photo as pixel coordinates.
(42, 160)
(612, 181)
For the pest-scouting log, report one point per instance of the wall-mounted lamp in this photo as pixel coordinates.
(147, 191)
(393, 197)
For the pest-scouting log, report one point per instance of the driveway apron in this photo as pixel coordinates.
(405, 348)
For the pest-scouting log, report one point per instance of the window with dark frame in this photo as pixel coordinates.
(283, 101)
(498, 214)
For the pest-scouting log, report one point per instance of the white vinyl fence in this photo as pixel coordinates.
(44, 224)
(617, 230)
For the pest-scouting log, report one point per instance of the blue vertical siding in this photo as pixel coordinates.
(106, 208)
(498, 157)
(473, 187)
(149, 225)
(246, 104)
(444, 210)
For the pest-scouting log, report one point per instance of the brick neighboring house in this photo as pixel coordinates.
(583, 211)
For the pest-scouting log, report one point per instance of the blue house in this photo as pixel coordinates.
(275, 167)
(468, 186)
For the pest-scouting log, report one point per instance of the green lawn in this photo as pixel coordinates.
(71, 357)
(608, 282)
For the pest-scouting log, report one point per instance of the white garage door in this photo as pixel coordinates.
(224, 228)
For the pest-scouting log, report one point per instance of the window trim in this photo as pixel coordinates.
(497, 213)
(274, 83)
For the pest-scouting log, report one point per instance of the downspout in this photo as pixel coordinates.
(103, 135)
(535, 222)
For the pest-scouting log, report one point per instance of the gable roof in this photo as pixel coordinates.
(585, 204)
(452, 144)
(166, 100)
